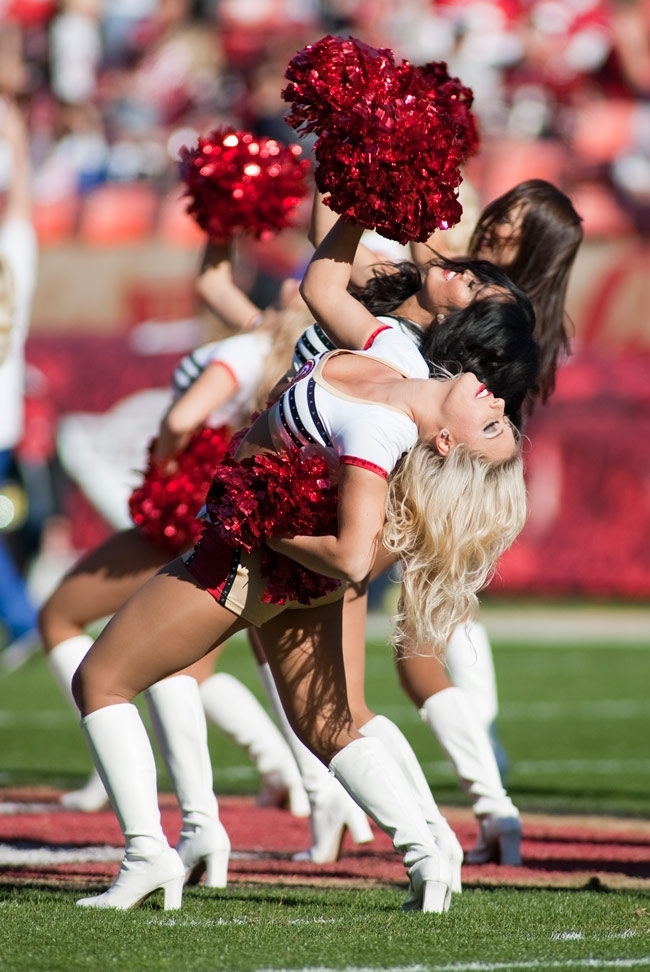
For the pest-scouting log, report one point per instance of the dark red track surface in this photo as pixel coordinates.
(558, 851)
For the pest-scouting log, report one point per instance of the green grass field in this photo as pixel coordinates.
(575, 720)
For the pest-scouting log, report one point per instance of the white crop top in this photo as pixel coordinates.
(244, 357)
(354, 430)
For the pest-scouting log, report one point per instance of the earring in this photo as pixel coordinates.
(441, 318)
(444, 433)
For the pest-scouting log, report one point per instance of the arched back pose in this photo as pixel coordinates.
(356, 449)
(534, 232)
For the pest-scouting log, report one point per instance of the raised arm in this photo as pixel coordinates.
(216, 286)
(324, 288)
(18, 204)
(189, 412)
(322, 220)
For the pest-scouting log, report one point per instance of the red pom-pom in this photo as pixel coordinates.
(241, 183)
(252, 498)
(165, 505)
(391, 137)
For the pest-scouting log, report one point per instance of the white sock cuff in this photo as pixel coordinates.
(471, 667)
(124, 710)
(439, 703)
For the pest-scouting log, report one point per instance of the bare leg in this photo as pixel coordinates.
(306, 657)
(169, 623)
(355, 611)
(332, 811)
(96, 586)
(379, 727)
(232, 708)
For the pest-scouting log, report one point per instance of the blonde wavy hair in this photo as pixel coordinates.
(449, 519)
(296, 318)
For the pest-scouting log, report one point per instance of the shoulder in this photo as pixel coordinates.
(397, 348)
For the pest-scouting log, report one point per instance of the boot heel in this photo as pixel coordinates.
(206, 851)
(436, 896)
(456, 880)
(216, 869)
(173, 891)
(359, 826)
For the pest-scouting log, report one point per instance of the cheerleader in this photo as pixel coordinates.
(533, 232)
(354, 453)
(214, 391)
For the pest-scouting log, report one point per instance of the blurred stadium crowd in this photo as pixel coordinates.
(112, 87)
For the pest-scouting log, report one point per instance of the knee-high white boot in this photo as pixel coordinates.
(333, 811)
(64, 660)
(231, 707)
(450, 716)
(400, 749)
(178, 721)
(469, 661)
(470, 664)
(122, 753)
(370, 774)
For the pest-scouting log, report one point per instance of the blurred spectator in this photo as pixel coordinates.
(121, 23)
(77, 156)
(13, 70)
(75, 50)
(18, 262)
(631, 35)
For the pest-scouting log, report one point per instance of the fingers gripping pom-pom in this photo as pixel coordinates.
(240, 183)
(391, 138)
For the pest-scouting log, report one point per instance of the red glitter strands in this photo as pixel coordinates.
(391, 138)
(240, 183)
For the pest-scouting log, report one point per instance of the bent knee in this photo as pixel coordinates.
(94, 688)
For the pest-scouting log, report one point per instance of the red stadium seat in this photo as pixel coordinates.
(55, 222)
(511, 161)
(118, 214)
(175, 226)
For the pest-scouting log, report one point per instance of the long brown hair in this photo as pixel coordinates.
(549, 237)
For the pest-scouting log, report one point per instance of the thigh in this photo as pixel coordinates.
(167, 625)
(355, 613)
(99, 584)
(204, 667)
(304, 650)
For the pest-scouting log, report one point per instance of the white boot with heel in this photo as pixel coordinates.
(451, 717)
(333, 811)
(400, 749)
(122, 752)
(179, 722)
(370, 774)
